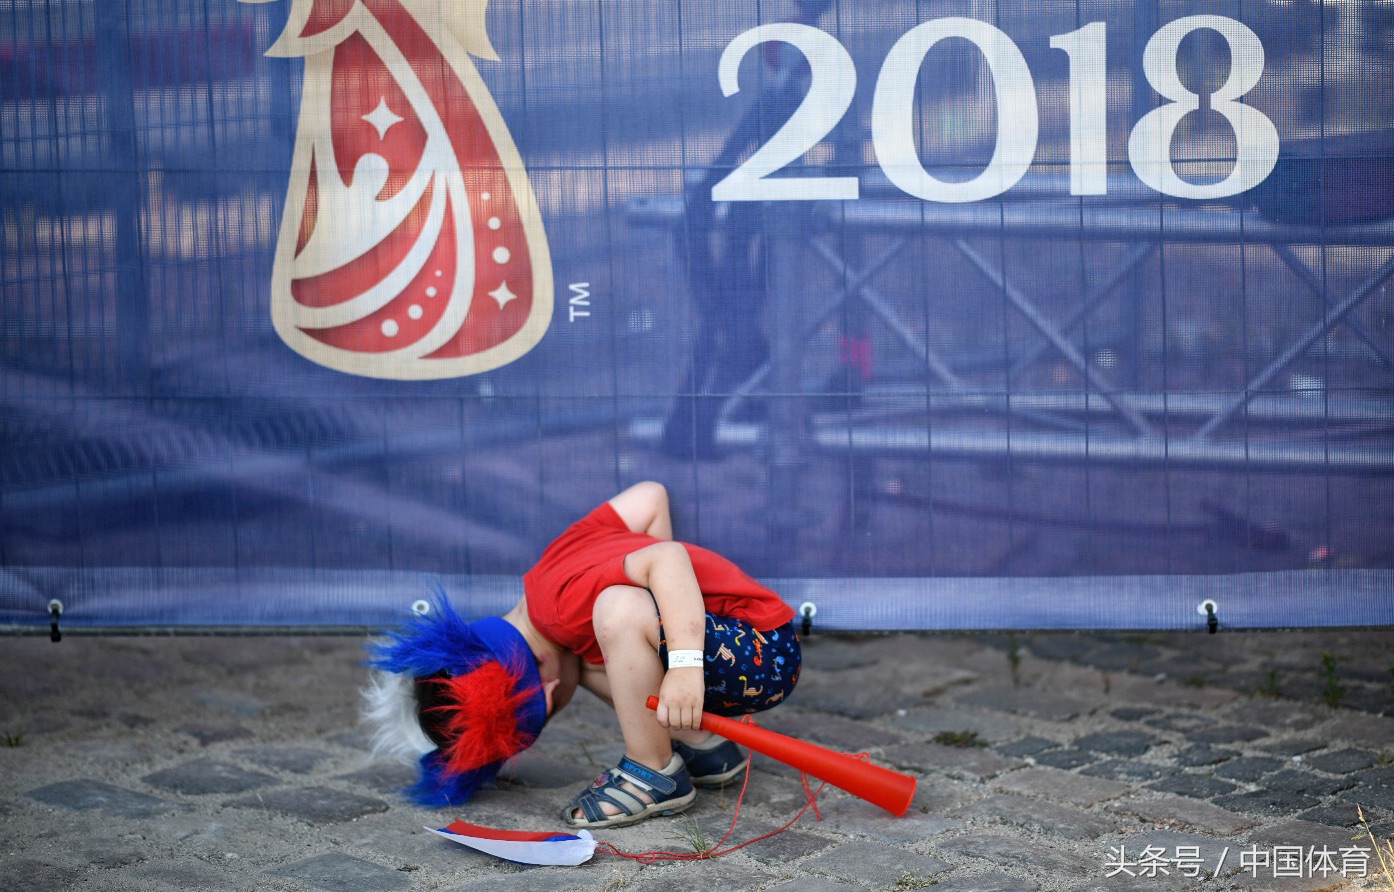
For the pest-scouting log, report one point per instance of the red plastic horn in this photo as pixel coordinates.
(881, 787)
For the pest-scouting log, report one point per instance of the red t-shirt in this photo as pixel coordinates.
(589, 558)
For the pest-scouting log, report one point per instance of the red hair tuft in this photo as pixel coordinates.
(481, 716)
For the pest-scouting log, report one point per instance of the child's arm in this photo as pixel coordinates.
(665, 569)
(644, 509)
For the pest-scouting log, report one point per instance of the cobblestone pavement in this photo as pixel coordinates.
(1045, 761)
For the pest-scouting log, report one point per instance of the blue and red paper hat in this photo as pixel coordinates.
(471, 689)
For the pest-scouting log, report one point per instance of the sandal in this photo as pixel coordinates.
(670, 789)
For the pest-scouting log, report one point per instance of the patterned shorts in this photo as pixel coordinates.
(746, 670)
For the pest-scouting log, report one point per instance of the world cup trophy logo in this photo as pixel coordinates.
(411, 246)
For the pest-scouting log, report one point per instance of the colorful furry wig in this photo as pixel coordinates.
(462, 698)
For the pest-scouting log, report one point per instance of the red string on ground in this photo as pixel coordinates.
(716, 851)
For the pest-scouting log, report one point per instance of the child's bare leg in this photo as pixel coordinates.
(626, 626)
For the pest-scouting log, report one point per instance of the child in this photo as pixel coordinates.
(616, 606)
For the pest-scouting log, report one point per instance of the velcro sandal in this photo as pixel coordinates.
(714, 763)
(670, 791)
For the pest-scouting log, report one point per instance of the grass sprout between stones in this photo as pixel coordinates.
(909, 881)
(960, 739)
(1384, 850)
(1332, 692)
(689, 832)
(13, 739)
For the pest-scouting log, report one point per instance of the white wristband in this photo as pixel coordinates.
(679, 659)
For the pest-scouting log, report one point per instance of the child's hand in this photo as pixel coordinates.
(680, 698)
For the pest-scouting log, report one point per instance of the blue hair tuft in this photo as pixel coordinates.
(437, 640)
(438, 788)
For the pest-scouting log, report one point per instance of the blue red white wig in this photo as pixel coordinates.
(460, 698)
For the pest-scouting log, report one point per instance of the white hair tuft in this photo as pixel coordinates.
(389, 709)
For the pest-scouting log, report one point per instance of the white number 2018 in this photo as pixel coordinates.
(893, 113)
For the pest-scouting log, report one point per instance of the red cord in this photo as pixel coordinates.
(716, 851)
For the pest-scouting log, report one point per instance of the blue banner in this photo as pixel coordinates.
(934, 315)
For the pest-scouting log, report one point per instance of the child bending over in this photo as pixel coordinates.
(618, 607)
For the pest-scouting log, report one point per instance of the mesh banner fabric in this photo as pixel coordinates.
(934, 315)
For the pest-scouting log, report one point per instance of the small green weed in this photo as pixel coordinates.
(13, 739)
(1332, 692)
(1195, 681)
(1014, 658)
(1269, 689)
(960, 739)
(689, 832)
(909, 881)
(1384, 850)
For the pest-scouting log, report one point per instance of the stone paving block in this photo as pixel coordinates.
(109, 854)
(1279, 715)
(1342, 761)
(1026, 746)
(1034, 814)
(1198, 754)
(1370, 795)
(1060, 786)
(162, 877)
(1196, 786)
(532, 879)
(343, 873)
(1226, 734)
(33, 875)
(403, 843)
(878, 690)
(1117, 743)
(313, 805)
(1249, 768)
(1124, 657)
(1025, 701)
(383, 777)
(1292, 746)
(1065, 758)
(1300, 833)
(1125, 770)
(1163, 692)
(204, 776)
(532, 770)
(235, 702)
(294, 759)
(1183, 722)
(687, 876)
(790, 845)
(1336, 814)
(88, 794)
(975, 762)
(1177, 810)
(815, 884)
(989, 725)
(1293, 780)
(987, 882)
(1133, 713)
(832, 731)
(864, 819)
(864, 861)
(1016, 852)
(207, 733)
(1267, 802)
(1359, 728)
